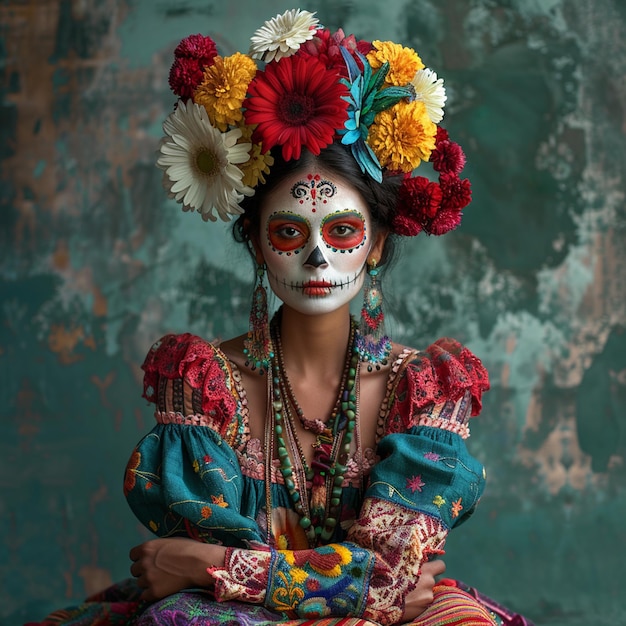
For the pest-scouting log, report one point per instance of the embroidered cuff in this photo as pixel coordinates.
(244, 576)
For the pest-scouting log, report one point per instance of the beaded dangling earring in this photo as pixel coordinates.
(372, 343)
(257, 346)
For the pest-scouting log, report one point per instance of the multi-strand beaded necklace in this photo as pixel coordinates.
(315, 491)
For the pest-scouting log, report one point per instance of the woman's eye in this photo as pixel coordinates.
(343, 230)
(288, 231)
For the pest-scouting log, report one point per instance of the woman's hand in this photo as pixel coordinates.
(164, 566)
(418, 600)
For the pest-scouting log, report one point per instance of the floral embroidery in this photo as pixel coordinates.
(206, 512)
(432, 456)
(219, 500)
(130, 477)
(287, 597)
(153, 526)
(415, 483)
(196, 466)
(456, 508)
(438, 501)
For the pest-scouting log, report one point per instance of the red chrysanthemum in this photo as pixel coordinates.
(442, 134)
(406, 226)
(457, 192)
(185, 75)
(445, 221)
(326, 46)
(191, 56)
(448, 156)
(196, 47)
(419, 201)
(296, 103)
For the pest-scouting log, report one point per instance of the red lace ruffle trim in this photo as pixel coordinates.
(195, 361)
(445, 371)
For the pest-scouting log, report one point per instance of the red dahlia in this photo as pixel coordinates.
(419, 201)
(296, 103)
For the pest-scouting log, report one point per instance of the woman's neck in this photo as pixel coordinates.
(314, 344)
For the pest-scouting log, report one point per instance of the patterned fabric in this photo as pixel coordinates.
(185, 478)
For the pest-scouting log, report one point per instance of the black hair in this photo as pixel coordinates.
(381, 198)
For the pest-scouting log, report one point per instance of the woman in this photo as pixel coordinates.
(309, 471)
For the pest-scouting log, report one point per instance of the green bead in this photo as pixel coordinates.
(350, 414)
(278, 429)
(352, 372)
(278, 405)
(287, 471)
(347, 437)
(305, 522)
(350, 427)
(337, 492)
(282, 452)
(331, 522)
(344, 406)
(338, 480)
(290, 484)
(335, 501)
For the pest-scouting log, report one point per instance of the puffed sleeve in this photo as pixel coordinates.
(183, 478)
(425, 483)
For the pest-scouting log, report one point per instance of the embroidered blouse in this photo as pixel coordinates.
(199, 474)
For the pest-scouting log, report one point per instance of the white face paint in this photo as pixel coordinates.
(316, 236)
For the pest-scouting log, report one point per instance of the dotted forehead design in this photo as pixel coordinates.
(313, 190)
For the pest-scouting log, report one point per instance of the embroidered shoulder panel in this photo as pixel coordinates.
(192, 382)
(441, 386)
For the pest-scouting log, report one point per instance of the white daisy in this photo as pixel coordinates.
(200, 163)
(282, 35)
(430, 90)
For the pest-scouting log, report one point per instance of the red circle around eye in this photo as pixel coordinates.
(286, 235)
(344, 232)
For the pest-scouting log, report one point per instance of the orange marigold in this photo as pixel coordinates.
(402, 136)
(223, 88)
(404, 62)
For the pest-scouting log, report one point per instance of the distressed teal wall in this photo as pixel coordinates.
(96, 264)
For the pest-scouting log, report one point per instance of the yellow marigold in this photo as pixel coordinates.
(403, 62)
(258, 165)
(223, 88)
(402, 136)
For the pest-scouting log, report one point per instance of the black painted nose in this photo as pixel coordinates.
(316, 258)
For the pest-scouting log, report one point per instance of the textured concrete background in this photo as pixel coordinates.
(95, 264)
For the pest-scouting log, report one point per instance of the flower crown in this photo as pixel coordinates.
(316, 87)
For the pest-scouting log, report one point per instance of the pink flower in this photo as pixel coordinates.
(415, 483)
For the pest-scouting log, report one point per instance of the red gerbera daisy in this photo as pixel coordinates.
(294, 103)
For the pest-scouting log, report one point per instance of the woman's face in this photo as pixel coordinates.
(316, 237)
